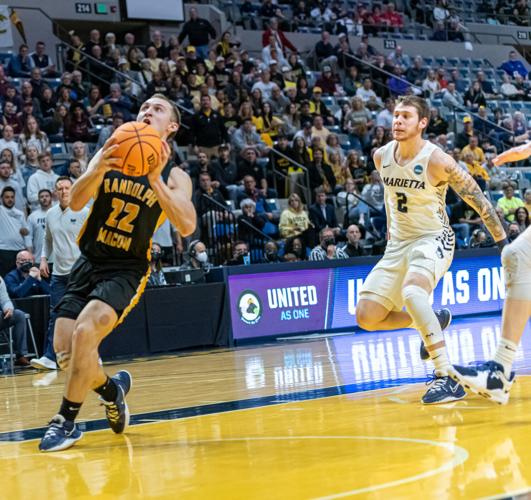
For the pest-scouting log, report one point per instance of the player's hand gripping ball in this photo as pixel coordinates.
(139, 147)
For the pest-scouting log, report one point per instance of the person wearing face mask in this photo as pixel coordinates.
(327, 249)
(156, 276)
(240, 254)
(26, 280)
(198, 257)
(271, 253)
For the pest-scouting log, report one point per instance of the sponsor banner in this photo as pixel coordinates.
(283, 302)
(309, 300)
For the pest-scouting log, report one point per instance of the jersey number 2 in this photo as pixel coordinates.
(131, 211)
(402, 202)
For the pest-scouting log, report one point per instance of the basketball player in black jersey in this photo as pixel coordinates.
(111, 273)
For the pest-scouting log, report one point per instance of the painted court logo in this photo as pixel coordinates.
(249, 307)
(418, 169)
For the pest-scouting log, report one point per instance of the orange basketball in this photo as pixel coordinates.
(139, 145)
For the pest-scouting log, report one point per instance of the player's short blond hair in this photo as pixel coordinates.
(174, 108)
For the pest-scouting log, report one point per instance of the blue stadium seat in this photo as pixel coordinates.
(527, 107)
(517, 106)
(505, 106)
(58, 148)
(465, 62)
(495, 196)
(441, 61)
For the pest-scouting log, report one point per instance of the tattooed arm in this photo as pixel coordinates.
(514, 154)
(443, 168)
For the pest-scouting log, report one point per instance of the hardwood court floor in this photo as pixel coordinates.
(321, 418)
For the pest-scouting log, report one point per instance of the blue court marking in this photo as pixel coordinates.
(241, 404)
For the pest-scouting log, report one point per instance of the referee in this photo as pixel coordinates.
(62, 228)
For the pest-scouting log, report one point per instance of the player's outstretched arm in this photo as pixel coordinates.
(514, 154)
(88, 184)
(175, 198)
(447, 170)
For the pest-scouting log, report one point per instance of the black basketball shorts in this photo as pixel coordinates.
(117, 285)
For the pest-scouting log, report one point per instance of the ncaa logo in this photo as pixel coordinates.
(418, 169)
(249, 307)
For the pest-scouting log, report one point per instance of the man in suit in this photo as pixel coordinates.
(323, 214)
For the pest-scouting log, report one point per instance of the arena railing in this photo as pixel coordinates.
(219, 230)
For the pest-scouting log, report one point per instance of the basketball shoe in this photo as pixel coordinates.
(117, 412)
(442, 390)
(60, 435)
(445, 318)
(486, 379)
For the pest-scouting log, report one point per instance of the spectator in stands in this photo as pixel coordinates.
(158, 85)
(509, 203)
(431, 85)
(26, 280)
(509, 90)
(43, 61)
(328, 82)
(44, 178)
(295, 250)
(354, 246)
(463, 220)
(437, 125)
(21, 64)
(119, 103)
(373, 194)
(450, 97)
(246, 137)
(385, 117)
(37, 222)
(321, 173)
(205, 188)
(324, 50)
(358, 124)
(13, 231)
(11, 119)
(240, 254)
(327, 248)
(158, 43)
(153, 59)
(318, 107)
(249, 221)
(322, 214)
(462, 139)
(225, 172)
(281, 40)
(368, 95)
(74, 170)
(106, 132)
(473, 147)
(15, 318)
(208, 129)
(271, 253)
(514, 66)
(521, 217)
(521, 13)
(397, 83)
(248, 12)
(77, 124)
(8, 141)
(397, 56)
(264, 84)
(294, 220)
(7, 179)
(527, 199)
(31, 163)
(156, 275)
(475, 168)
(475, 97)
(416, 74)
(199, 32)
(32, 135)
(513, 231)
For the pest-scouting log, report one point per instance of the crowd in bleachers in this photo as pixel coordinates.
(279, 148)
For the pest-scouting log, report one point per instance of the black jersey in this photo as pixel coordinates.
(123, 218)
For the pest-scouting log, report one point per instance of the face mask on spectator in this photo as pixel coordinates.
(202, 257)
(26, 267)
(155, 256)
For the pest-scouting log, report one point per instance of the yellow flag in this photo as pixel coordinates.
(18, 24)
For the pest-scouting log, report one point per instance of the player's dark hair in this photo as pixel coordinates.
(420, 104)
(8, 189)
(63, 178)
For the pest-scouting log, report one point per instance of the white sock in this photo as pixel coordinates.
(417, 302)
(505, 355)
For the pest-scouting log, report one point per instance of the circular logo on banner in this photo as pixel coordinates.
(250, 307)
(418, 169)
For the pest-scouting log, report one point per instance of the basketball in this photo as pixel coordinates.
(140, 147)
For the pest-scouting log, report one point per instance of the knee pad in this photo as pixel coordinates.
(63, 360)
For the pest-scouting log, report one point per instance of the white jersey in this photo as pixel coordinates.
(415, 208)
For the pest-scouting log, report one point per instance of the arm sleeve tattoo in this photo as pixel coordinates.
(467, 188)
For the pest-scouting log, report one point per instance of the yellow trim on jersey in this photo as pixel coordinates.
(136, 297)
(82, 230)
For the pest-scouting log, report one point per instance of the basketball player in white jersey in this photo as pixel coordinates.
(420, 247)
(494, 379)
